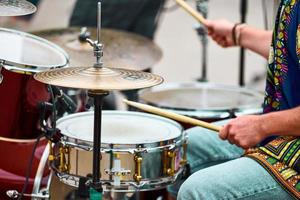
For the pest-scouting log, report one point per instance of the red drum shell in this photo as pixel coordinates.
(20, 95)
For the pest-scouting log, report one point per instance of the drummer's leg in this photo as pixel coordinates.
(205, 149)
(242, 178)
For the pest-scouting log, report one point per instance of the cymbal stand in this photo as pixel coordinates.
(202, 7)
(243, 12)
(96, 190)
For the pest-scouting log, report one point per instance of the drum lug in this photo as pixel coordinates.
(183, 162)
(51, 156)
(138, 164)
(171, 155)
(64, 165)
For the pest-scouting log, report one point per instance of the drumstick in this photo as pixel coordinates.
(171, 115)
(192, 11)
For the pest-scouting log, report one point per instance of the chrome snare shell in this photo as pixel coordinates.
(139, 151)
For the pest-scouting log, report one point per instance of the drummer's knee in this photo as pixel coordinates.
(197, 186)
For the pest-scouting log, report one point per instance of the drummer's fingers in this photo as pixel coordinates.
(223, 133)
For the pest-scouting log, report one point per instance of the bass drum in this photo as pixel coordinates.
(204, 101)
(22, 55)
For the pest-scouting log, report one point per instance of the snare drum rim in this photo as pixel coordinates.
(115, 147)
(25, 67)
(220, 112)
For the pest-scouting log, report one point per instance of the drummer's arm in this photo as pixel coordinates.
(285, 122)
(249, 130)
(255, 40)
(221, 31)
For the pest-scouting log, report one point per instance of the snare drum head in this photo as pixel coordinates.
(120, 127)
(201, 96)
(26, 52)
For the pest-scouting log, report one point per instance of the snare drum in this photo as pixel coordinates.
(205, 101)
(139, 151)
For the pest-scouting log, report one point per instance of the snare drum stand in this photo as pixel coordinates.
(202, 7)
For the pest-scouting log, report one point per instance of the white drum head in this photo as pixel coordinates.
(120, 127)
(201, 96)
(28, 51)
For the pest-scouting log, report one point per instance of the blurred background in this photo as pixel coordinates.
(178, 39)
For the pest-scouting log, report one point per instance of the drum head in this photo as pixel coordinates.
(26, 52)
(201, 97)
(120, 127)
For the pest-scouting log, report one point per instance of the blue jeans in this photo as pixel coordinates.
(219, 172)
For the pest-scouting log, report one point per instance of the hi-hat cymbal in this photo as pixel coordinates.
(104, 78)
(121, 49)
(16, 8)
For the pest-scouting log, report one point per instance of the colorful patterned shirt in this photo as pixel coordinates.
(281, 156)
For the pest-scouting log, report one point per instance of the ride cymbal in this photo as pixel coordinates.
(104, 78)
(122, 49)
(16, 8)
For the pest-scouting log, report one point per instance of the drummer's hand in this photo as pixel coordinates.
(244, 131)
(221, 32)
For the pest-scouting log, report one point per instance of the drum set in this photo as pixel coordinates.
(98, 154)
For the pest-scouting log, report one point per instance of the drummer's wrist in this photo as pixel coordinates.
(237, 33)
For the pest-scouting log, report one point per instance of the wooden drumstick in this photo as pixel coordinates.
(171, 115)
(192, 11)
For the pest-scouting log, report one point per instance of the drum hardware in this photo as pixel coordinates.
(202, 7)
(16, 8)
(84, 34)
(14, 194)
(67, 103)
(243, 14)
(138, 162)
(51, 156)
(51, 133)
(171, 156)
(64, 164)
(116, 172)
(183, 162)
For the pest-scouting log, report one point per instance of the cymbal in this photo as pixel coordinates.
(16, 8)
(104, 78)
(121, 49)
